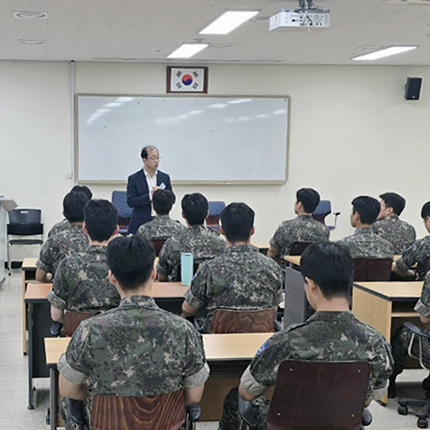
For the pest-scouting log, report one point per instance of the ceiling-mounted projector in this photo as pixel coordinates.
(296, 18)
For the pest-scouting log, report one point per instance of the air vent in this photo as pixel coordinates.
(24, 14)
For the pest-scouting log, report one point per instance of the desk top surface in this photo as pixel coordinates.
(295, 259)
(392, 291)
(160, 290)
(29, 264)
(241, 346)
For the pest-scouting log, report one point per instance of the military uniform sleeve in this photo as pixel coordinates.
(196, 370)
(423, 304)
(261, 373)
(197, 294)
(381, 368)
(279, 289)
(45, 261)
(75, 364)
(409, 257)
(169, 258)
(58, 295)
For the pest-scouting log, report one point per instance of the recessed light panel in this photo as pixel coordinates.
(228, 21)
(382, 53)
(187, 50)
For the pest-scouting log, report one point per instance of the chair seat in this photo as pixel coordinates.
(26, 242)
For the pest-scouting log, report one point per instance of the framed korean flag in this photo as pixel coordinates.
(187, 80)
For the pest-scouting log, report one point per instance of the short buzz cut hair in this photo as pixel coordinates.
(237, 220)
(394, 201)
(162, 200)
(425, 211)
(144, 152)
(101, 219)
(131, 260)
(195, 207)
(82, 189)
(329, 265)
(73, 206)
(367, 207)
(309, 198)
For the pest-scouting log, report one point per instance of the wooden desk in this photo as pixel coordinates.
(227, 354)
(28, 274)
(167, 295)
(293, 259)
(262, 246)
(379, 303)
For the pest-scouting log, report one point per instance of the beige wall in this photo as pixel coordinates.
(351, 132)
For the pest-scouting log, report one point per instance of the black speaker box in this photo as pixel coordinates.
(413, 88)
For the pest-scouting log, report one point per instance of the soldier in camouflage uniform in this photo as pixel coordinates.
(332, 334)
(364, 243)
(64, 225)
(81, 282)
(202, 243)
(417, 254)
(402, 337)
(65, 243)
(161, 227)
(241, 277)
(399, 233)
(303, 228)
(136, 349)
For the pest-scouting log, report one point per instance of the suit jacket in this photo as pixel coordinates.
(138, 197)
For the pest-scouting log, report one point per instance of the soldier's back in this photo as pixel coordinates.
(398, 232)
(161, 227)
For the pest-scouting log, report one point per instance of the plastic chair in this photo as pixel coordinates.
(296, 304)
(243, 321)
(297, 248)
(72, 319)
(372, 269)
(163, 412)
(119, 200)
(215, 209)
(316, 395)
(322, 210)
(157, 244)
(23, 222)
(402, 409)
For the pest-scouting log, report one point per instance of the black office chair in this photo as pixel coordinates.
(23, 222)
(306, 392)
(297, 248)
(322, 210)
(215, 209)
(423, 413)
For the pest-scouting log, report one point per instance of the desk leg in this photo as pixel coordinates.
(30, 355)
(53, 398)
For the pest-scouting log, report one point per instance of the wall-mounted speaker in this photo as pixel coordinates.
(413, 88)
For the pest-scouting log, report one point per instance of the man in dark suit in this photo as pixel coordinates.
(141, 186)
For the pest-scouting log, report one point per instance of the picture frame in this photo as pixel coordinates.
(187, 80)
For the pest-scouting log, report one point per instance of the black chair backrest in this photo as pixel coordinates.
(372, 269)
(25, 222)
(318, 395)
(297, 248)
(157, 244)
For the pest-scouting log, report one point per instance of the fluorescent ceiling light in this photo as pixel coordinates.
(29, 15)
(32, 42)
(228, 21)
(386, 52)
(187, 50)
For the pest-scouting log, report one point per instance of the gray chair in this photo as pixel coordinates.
(295, 305)
(23, 222)
(119, 200)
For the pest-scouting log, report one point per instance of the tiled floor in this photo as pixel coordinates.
(14, 414)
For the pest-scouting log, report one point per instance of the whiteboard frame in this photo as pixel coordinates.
(185, 95)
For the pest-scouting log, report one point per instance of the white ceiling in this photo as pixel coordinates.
(149, 30)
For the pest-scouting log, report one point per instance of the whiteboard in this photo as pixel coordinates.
(200, 139)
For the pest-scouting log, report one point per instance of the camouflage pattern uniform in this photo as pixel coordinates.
(61, 245)
(418, 253)
(240, 278)
(81, 283)
(402, 337)
(202, 243)
(60, 226)
(399, 233)
(364, 243)
(326, 336)
(161, 227)
(303, 228)
(136, 349)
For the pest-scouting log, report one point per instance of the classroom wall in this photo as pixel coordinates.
(351, 133)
